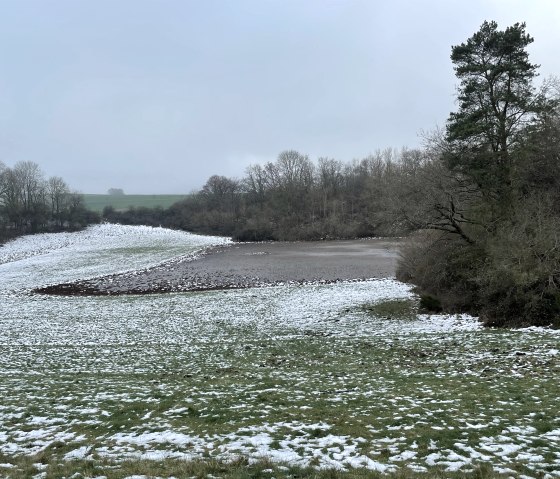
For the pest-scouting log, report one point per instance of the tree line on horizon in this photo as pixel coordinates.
(292, 198)
(31, 203)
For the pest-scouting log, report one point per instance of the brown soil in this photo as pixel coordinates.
(246, 265)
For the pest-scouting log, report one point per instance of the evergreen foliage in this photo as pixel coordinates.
(498, 255)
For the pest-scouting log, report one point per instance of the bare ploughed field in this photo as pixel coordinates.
(245, 265)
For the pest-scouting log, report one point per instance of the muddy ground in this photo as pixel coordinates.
(243, 265)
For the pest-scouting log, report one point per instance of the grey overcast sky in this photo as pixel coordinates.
(155, 96)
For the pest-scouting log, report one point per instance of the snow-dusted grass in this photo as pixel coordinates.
(273, 381)
(50, 258)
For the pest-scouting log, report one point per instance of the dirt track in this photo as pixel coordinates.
(250, 265)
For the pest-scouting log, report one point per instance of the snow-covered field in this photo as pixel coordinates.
(299, 375)
(51, 258)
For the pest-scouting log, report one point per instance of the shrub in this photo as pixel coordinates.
(393, 309)
(443, 267)
(430, 304)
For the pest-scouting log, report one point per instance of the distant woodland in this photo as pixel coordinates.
(31, 203)
(294, 198)
(480, 202)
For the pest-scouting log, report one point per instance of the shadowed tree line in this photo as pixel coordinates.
(294, 198)
(29, 203)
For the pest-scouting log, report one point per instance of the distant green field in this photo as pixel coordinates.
(98, 202)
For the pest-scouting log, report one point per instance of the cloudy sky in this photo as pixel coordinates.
(154, 96)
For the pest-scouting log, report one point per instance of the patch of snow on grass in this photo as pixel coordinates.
(50, 258)
(72, 362)
(76, 454)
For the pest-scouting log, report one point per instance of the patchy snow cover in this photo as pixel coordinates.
(79, 453)
(54, 342)
(300, 448)
(50, 258)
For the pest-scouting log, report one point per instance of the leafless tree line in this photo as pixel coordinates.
(296, 198)
(30, 203)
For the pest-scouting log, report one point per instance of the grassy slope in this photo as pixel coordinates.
(98, 202)
(413, 392)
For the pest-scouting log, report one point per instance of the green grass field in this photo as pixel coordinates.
(98, 202)
(241, 401)
(327, 381)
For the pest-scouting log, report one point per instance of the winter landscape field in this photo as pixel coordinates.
(287, 381)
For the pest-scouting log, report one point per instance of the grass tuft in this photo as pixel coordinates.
(402, 309)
